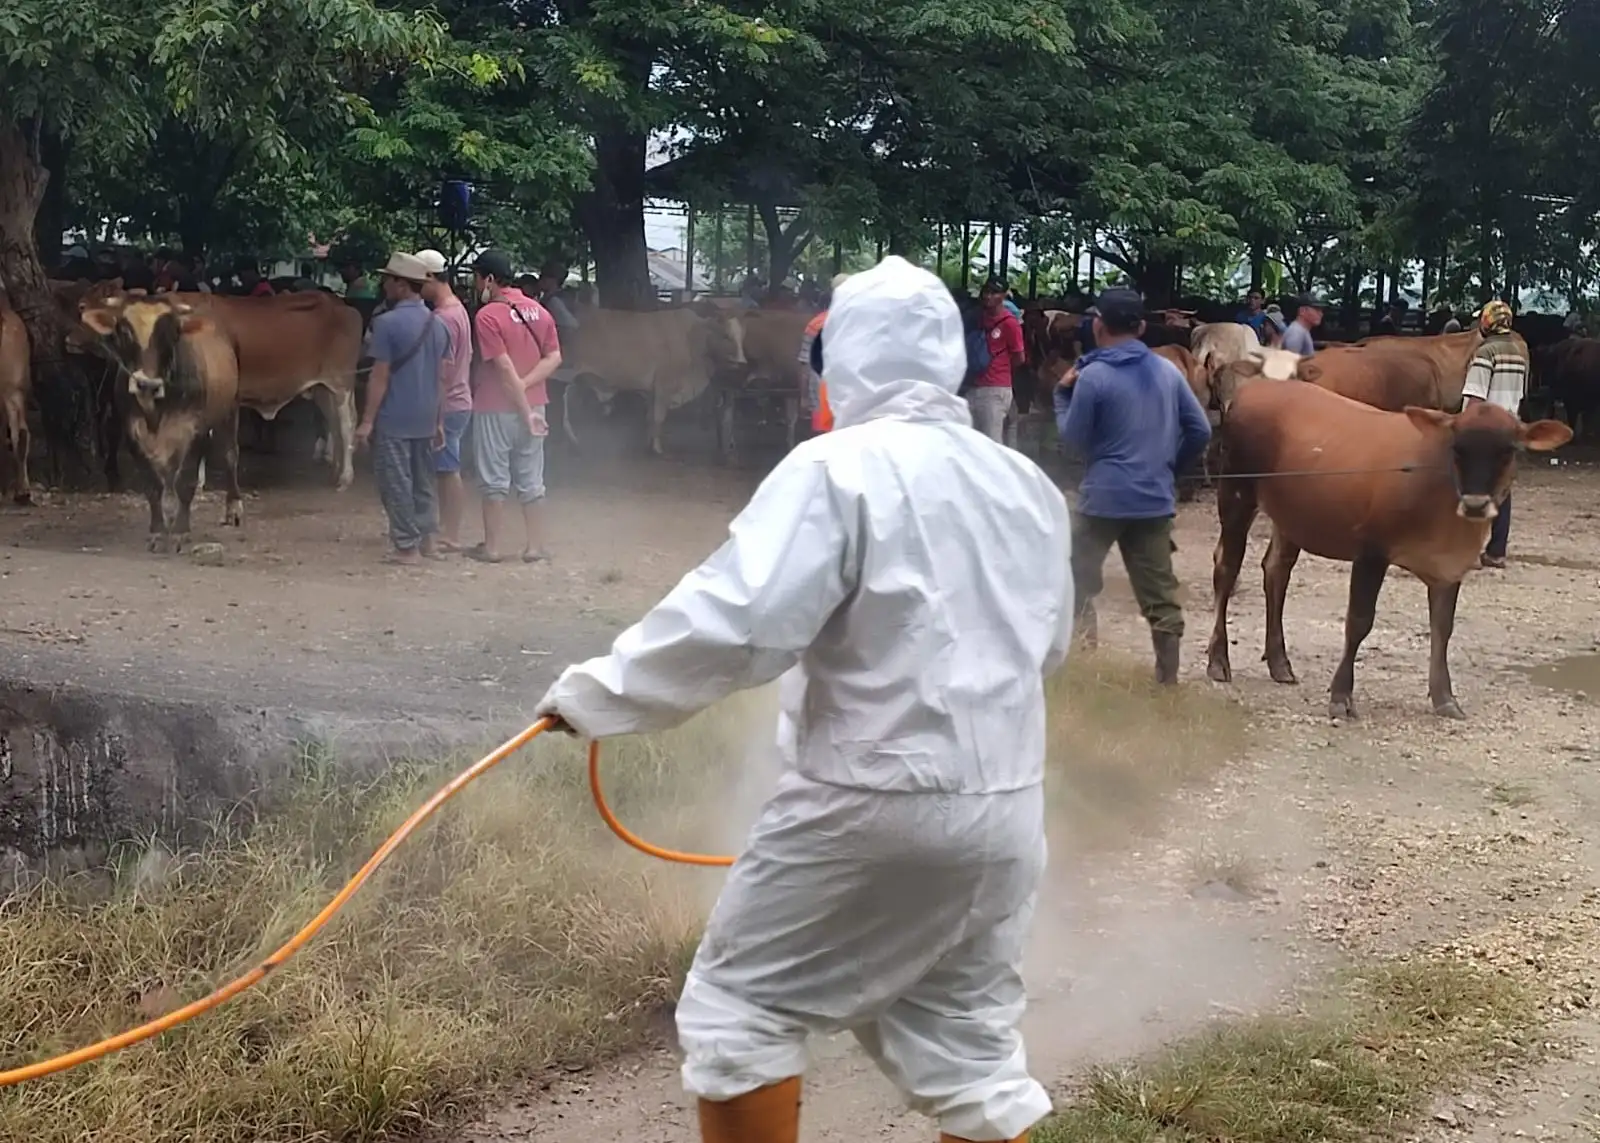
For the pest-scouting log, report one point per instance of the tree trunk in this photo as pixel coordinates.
(613, 218)
(51, 222)
(784, 245)
(1258, 266)
(59, 388)
(1157, 279)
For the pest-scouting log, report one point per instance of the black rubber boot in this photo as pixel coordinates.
(1166, 645)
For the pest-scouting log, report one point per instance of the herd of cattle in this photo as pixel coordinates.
(1366, 461)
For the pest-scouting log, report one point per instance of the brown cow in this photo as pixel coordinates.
(287, 346)
(293, 345)
(1344, 481)
(15, 370)
(671, 355)
(772, 354)
(1394, 372)
(1050, 338)
(1199, 383)
(178, 388)
(1570, 369)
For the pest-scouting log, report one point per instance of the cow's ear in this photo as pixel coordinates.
(102, 318)
(1542, 436)
(1426, 419)
(1308, 372)
(191, 323)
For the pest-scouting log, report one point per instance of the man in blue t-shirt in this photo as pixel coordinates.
(1253, 314)
(404, 409)
(1135, 420)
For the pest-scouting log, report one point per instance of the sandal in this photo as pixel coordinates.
(539, 557)
(481, 554)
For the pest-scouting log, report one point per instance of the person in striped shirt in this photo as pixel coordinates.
(1498, 374)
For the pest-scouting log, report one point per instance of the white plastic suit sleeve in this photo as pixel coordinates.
(1062, 642)
(737, 621)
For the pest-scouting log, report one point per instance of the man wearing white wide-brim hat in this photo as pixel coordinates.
(402, 420)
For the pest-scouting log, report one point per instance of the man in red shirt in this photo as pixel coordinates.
(517, 352)
(990, 397)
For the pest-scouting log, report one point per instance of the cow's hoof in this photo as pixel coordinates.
(23, 500)
(1219, 672)
(1342, 709)
(233, 516)
(1282, 673)
(163, 545)
(1450, 708)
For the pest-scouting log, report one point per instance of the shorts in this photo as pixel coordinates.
(448, 458)
(507, 457)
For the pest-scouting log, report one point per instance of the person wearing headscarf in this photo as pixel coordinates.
(1498, 374)
(909, 580)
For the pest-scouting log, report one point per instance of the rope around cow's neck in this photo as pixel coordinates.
(295, 943)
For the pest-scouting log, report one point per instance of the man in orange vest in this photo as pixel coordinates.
(811, 357)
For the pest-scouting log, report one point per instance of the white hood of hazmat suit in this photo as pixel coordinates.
(909, 579)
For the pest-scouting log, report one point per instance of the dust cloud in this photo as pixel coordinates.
(1121, 958)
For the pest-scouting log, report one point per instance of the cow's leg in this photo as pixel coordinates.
(338, 411)
(727, 444)
(566, 410)
(1276, 568)
(658, 416)
(1236, 511)
(1366, 581)
(112, 432)
(1441, 625)
(184, 482)
(225, 455)
(19, 442)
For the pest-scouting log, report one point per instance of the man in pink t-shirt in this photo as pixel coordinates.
(517, 352)
(990, 398)
(455, 405)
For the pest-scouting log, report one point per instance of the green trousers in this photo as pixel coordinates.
(1146, 547)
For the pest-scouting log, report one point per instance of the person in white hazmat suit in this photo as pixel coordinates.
(909, 578)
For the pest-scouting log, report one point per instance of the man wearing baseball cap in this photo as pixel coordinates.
(990, 395)
(1297, 338)
(457, 414)
(1135, 419)
(518, 349)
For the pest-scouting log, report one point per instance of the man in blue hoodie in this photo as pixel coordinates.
(1133, 418)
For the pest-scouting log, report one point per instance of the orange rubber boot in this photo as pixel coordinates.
(767, 1115)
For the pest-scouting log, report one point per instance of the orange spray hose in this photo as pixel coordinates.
(295, 943)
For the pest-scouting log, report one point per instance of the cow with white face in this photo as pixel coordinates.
(178, 393)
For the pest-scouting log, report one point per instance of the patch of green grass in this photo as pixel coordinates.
(512, 934)
(1357, 1067)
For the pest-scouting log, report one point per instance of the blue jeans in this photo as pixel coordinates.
(1500, 532)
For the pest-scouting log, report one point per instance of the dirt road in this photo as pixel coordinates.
(1396, 831)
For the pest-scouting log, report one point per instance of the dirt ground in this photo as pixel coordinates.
(1398, 831)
